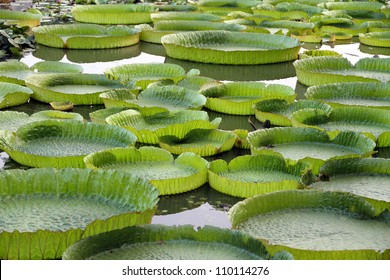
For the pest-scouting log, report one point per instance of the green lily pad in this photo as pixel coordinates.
(183, 16)
(293, 26)
(159, 242)
(41, 219)
(99, 116)
(195, 82)
(246, 176)
(367, 177)
(376, 95)
(113, 13)
(54, 143)
(196, 25)
(80, 89)
(224, 47)
(376, 39)
(85, 36)
(238, 98)
(223, 7)
(20, 18)
(267, 11)
(363, 5)
(325, 70)
(151, 35)
(144, 74)
(203, 142)
(13, 94)
(311, 144)
(314, 224)
(315, 53)
(170, 176)
(56, 67)
(148, 128)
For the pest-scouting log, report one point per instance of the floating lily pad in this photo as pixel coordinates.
(46, 210)
(223, 7)
(99, 116)
(314, 225)
(53, 143)
(293, 26)
(279, 112)
(376, 39)
(311, 144)
(368, 177)
(20, 18)
(148, 128)
(315, 53)
(246, 176)
(195, 82)
(368, 94)
(266, 11)
(356, 5)
(146, 73)
(196, 25)
(159, 242)
(238, 98)
(151, 35)
(156, 99)
(62, 105)
(224, 47)
(325, 70)
(203, 142)
(86, 36)
(13, 94)
(56, 67)
(80, 89)
(170, 176)
(183, 16)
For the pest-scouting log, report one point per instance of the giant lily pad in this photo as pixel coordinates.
(224, 47)
(170, 176)
(356, 5)
(311, 144)
(80, 89)
(146, 73)
(314, 225)
(159, 242)
(85, 36)
(113, 13)
(54, 143)
(325, 70)
(367, 177)
(45, 210)
(223, 7)
(203, 142)
(148, 128)
(19, 18)
(376, 39)
(12, 95)
(238, 98)
(246, 176)
(355, 93)
(196, 25)
(183, 16)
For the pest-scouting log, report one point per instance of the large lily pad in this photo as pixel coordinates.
(45, 210)
(238, 98)
(349, 94)
(86, 36)
(12, 95)
(367, 177)
(314, 225)
(310, 144)
(246, 176)
(148, 128)
(224, 47)
(170, 176)
(159, 242)
(19, 18)
(324, 70)
(54, 143)
(183, 16)
(113, 13)
(196, 25)
(80, 89)
(376, 39)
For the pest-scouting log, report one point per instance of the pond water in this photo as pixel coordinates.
(203, 206)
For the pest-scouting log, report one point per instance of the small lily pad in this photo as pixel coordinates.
(13, 94)
(62, 106)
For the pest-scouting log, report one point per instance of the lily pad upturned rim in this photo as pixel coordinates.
(375, 39)
(198, 46)
(90, 246)
(107, 159)
(13, 94)
(113, 185)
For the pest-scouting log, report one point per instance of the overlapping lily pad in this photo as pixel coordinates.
(80, 89)
(367, 177)
(148, 128)
(159, 242)
(203, 142)
(246, 176)
(376, 39)
(314, 224)
(54, 143)
(170, 176)
(311, 144)
(224, 47)
(324, 70)
(114, 13)
(13, 94)
(238, 98)
(86, 36)
(40, 220)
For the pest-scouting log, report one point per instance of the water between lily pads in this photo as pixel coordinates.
(203, 206)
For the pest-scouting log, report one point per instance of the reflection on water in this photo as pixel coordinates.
(374, 50)
(154, 49)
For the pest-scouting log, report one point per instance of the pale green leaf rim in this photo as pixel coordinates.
(56, 66)
(108, 159)
(112, 185)
(196, 25)
(13, 94)
(20, 18)
(158, 16)
(14, 72)
(376, 39)
(99, 116)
